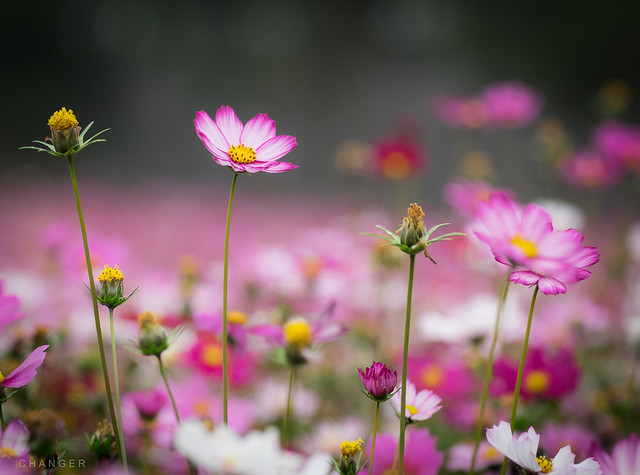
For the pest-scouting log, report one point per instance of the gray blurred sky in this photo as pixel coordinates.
(326, 71)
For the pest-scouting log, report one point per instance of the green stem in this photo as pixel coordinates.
(4, 426)
(373, 438)
(163, 372)
(405, 354)
(286, 430)
(96, 314)
(225, 281)
(488, 373)
(516, 392)
(117, 390)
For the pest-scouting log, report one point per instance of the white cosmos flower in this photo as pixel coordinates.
(523, 451)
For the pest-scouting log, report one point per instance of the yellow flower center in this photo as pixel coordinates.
(1, 377)
(432, 376)
(396, 165)
(350, 448)
(242, 154)
(147, 319)
(545, 464)
(62, 119)
(201, 407)
(537, 381)
(110, 274)
(7, 453)
(527, 246)
(237, 316)
(412, 409)
(490, 452)
(297, 332)
(211, 354)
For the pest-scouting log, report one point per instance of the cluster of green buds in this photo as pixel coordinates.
(412, 236)
(153, 339)
(349, 462)
(66, 137)
(110, 287)
(103, 442)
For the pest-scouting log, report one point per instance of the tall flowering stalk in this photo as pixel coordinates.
(66, 141)
(111, 295)
(537, 255)
(378, 384)
(412, 237)
(249, 148)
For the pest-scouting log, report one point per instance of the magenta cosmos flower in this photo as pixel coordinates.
(253, 147)
(25, 373)
(379, 381)
(624, 458)
(524, 239)
(511, 104)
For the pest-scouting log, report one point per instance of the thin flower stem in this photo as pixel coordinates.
(488, 373)
(225, 282)
(405, 354)
(516, 392)
(96, 314)
(117, 390)
(4, 426)
(163, 372)
(373, 438)
(286, 430)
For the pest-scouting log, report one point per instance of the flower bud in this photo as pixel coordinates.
(412, 229)
(103, 442)
(153, 339)
(378, 381)
(64, 130)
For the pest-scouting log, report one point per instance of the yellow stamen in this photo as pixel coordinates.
(297, 332)
(201, 407)
(432, 376)
(1, 377)
(350, 448)
(412, 409)
(62, 119)
(237, 316)
(110, 274)
(527, 246)
(7, 453)
(396, 165)
(242, 154)
(537, 381)
(545, 464)
(147, 319)
(211, 354)
(415, 214)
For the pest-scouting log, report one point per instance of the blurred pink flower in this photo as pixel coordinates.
(524, 239)
(460, 456)
(624, 458)
(547, 374)
(397, 158)
(24, 374)
(420, 405)
(589, 169)
(461, 112)
(420, 457)
(464, 195)
(450, 379)
(14, 445)
(8, 308)
(251, 148)
(555, 435)
(619, 143)
(149, 403)
(510, 105)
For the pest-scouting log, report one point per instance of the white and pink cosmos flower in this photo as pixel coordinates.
(252, 147)
(420, 405)
(523, 238)
(523, 451)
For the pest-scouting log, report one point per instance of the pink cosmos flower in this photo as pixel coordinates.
(524, 239)
(547, 374)
(397, 158)
(461, 112)
(420, 458)
(523, 451)
(14, 445)
(420, 405)
(378, 380)
(149, 403)
(464, 195)
(589, 169)
(510, 105)
(8, 308)
(620, 143)
(624, 458)
(460, 456)
(253, 147)
(25, 373)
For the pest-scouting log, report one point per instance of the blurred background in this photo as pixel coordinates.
(331, 73)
